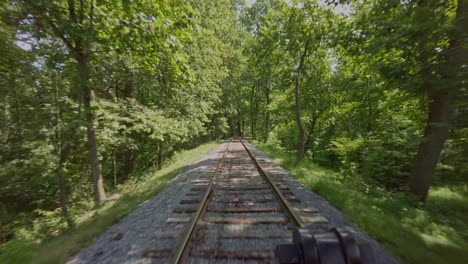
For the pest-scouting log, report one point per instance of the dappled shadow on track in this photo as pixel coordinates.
(132, 235)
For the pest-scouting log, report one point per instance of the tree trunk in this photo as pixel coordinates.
(160, 155)
(243, 125)
(114, 168)
(130, 161)
(267, 114)
(88, 98)
(63, 155)
(440, 108)
(251, 112)
(255, 118)
(297, 108)
(300, 128)
(435, 133)
(310, 133)
(130, 154)
(239, 126)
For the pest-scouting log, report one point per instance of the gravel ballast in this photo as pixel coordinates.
(128, 240)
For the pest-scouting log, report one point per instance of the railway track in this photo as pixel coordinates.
(234, 206)
(240, 214)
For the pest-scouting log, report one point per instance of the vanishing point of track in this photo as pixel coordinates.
(243, 213)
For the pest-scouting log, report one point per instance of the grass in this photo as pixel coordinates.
(92, 224)
(437, 233)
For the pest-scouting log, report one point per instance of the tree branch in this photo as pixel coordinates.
(61, 35)
(91, 27)
(71, 10)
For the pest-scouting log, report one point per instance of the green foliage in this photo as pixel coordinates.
(46, 224)
(156, 70)
(361, 94)
(453, 167)
(169, 75)
(349, 152)
(368, 87)
(434, 234)
(23, 249)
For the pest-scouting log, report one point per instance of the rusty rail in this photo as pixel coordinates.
(182, 250)
(295, 219)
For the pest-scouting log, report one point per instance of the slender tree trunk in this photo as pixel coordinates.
(252, 112)
(130, 161)
(160, 155)
(369, 110)
(243, 125)
(255, 118)
(88, 98)
(267, 114)
(239, 126)
(297, 108)
(63, 155)
(310, 133)
(114, 168)
(130, 154)
(440, 108)
(98, 182)
(18, 118)
(300, 128)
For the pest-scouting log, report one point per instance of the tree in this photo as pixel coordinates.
(76, 28)
(305, 32)
(440, 104)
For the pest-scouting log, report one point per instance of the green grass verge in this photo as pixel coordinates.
(435, 234)
(92, 224)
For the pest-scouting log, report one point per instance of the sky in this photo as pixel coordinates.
(249, 2)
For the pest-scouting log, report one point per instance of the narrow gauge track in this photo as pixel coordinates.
(243, 215)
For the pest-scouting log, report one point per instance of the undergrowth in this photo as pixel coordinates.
(435, 233)
(92, 224)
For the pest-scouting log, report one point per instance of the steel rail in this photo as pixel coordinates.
(182, 249)
(295, 219)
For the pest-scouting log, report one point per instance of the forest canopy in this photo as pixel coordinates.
(94, 93)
